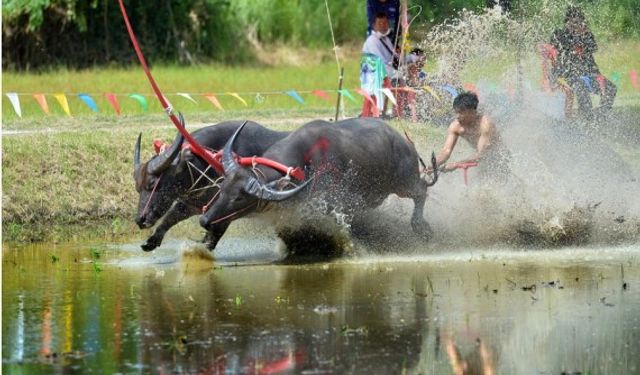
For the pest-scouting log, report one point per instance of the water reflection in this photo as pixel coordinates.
(517, 314)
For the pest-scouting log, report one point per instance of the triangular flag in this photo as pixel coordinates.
(322, 95)
(294, 94)
(187, 96)
(633, 74)
(453, 92)
(42, 101)
(601, 82)
(15, 102)
(235, 95)
(346, 93)
(470, 87)
(89, 101)
(432, 92)
(142, 100)
(387, 92)
(587, 82)
(367, 97)
(615, 77)
(113, 100)
(212, 98)
(62, 99)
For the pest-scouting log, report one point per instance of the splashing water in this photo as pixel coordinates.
(569, 183)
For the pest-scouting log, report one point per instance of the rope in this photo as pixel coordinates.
(333, 38)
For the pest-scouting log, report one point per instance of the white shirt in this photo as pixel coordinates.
(383, 48)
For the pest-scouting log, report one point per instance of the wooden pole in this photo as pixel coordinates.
(339, 93)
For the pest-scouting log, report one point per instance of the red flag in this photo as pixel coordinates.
(322, 95)
(374, 106)
(113, 100)
(212, 98)
(633, 74)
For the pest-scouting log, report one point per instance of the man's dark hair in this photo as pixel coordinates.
(464, 101)
(381, 15)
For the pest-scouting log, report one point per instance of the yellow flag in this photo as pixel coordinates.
(62, 99)
(235, 95)
(432, 92)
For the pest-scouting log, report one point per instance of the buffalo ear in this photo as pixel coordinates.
(185, 156)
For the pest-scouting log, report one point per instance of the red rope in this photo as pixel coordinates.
(197, 148)
(146, 206)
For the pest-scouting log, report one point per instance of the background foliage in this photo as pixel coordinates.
(84, 33)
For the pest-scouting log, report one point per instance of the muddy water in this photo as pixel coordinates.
(113, 309)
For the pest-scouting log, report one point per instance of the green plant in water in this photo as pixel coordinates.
(54, 258)
(238, 300)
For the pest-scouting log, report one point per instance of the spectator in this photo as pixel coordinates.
(391, 8)
(575, 45)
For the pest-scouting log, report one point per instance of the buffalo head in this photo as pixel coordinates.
(156, 182)
(242, 190)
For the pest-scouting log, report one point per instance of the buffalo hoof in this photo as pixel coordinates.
(422, 229)
(150, 244)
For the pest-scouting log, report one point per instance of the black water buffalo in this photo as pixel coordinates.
(353, 165)
(171, 184)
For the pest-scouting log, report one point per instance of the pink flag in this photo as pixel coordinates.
(212, 98)
(601, 82)
(368, 97)
(633, 74)
(322, 95)
(111, 97)
(42, 101)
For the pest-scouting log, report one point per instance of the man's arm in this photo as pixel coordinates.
(449, 144)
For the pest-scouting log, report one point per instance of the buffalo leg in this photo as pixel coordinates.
(214, 233)
(418, 223)
(177, 213)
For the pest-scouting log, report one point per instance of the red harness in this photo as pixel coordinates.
(465, 168)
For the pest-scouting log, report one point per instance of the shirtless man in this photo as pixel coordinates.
(477, 129)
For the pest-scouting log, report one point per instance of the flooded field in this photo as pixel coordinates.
(76, 308)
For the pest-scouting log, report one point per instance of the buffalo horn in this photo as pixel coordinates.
(161, 162)
(136, 154)
(265, 192)
(229, 163)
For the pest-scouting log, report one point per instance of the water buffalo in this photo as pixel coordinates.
(353, 165)
(171, 184)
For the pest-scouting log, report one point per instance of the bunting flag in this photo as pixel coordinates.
(432, 92)
(348, 95)
(615, 77)
(42, 101)
(212, 98)
(633, 74)
(601, 82)
(235, 95)
(294, 95)
(587, 82)
(322, 95)
(15, 102)
(452, 91)
(367, 97)
(140, 99)
(89, 101)
(387, 92)
(62, 99)
(187, 96)
(470, 87)
(113, 100)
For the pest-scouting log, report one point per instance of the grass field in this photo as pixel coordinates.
(64, 172)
